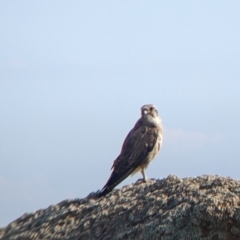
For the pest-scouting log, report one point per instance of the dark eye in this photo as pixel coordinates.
(151, 108)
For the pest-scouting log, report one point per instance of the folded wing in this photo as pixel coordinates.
(136, 147)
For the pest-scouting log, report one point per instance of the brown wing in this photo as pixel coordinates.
(136, 147)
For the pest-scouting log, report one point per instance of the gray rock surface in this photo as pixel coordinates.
(206, 207)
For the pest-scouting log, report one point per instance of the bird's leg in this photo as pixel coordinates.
(144, 175)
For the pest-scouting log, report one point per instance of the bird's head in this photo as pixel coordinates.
(149, 110)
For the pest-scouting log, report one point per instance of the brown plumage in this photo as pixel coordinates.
(139, 148)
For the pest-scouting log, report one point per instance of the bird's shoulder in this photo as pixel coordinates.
(138, 143)
(142, 133)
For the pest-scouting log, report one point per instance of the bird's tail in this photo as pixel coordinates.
(114, 180)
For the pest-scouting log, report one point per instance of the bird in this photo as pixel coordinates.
(139, 148)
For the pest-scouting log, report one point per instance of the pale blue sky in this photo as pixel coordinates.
(74, 74)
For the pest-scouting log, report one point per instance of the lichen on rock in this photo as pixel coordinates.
(205, 207)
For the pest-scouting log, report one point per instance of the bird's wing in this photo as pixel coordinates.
(136, 147)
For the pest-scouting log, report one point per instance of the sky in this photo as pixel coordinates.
(74, 75)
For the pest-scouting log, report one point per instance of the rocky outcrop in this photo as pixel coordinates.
(206, 207)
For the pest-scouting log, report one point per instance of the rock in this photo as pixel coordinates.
(206, 207)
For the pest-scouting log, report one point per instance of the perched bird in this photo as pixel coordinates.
(139, 148)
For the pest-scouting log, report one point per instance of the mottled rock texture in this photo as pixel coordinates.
(206, 207)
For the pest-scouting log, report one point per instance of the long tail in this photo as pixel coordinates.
(114, 180)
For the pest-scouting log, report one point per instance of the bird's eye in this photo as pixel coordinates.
(145, 111)
(151, 108)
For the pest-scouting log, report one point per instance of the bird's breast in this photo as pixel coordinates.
(151, 155)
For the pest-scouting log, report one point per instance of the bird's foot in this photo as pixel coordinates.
(142, 180)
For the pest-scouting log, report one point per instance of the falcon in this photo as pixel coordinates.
(139, 148)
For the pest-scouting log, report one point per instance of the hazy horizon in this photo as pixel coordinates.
(74, 75)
